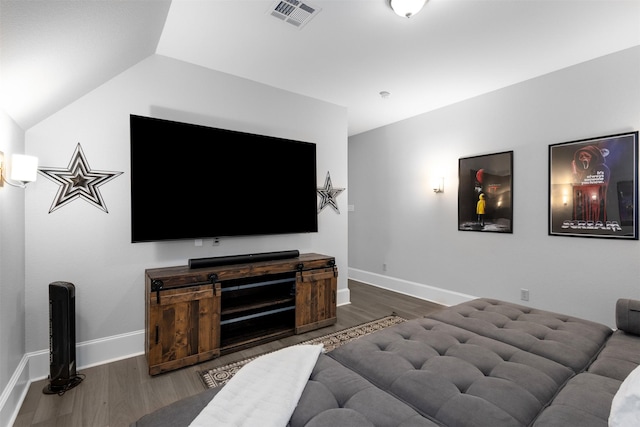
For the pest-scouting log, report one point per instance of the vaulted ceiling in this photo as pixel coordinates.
(53, 52)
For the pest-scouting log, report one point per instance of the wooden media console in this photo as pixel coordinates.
(196, 314)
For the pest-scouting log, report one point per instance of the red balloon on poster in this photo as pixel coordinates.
(479, 175)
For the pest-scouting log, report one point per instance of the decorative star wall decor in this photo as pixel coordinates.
(78, 181)
(328, 195)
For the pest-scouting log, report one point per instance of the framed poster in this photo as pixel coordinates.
(485, 193)
(593, 187)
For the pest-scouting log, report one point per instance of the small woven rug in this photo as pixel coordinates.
(222, 374)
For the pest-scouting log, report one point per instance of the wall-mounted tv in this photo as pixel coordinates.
(191, 182)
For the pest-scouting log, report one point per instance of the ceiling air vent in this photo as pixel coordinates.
(294, 12)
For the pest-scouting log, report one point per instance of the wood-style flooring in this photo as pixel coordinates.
(118, 393)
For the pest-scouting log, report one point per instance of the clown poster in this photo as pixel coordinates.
(485, 193)
(593, 187)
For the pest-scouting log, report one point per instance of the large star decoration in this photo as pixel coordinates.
(78, 181)
(328, 195)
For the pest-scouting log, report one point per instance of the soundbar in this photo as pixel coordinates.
(241, 259)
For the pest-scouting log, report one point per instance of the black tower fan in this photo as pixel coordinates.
(62, 338)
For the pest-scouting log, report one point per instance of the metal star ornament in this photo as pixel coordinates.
(78, 181)
(328, 195)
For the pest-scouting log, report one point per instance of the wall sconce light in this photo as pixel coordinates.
(24, 169)
(438, 185)
(406, 8)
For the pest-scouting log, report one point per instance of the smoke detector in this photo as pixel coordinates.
(294, 12)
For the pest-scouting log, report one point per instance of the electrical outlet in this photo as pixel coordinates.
(384, 266)
(216, 242)
(524, 294)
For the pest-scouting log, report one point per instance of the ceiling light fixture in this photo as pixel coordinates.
(406, 8)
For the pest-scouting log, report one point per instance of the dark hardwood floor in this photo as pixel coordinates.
(118, 393)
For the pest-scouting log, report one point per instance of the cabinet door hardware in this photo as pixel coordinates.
(156, 286)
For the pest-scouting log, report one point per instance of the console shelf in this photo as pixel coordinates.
(193, 315)
(256, 306)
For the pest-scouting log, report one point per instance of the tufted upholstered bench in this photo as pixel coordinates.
(455, 376)
(481, 363)
(334, 396)
(568, 340)
(489, 362)
(586, 399)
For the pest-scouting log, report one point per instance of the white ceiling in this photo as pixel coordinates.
(53, 52)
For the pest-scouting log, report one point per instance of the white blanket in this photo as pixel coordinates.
(264, 392)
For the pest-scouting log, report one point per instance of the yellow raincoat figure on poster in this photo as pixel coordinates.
(480, 209)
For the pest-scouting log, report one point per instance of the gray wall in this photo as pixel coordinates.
(12, 270)
(397, 221)
(82, 244)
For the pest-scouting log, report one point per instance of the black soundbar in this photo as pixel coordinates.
(241, 259)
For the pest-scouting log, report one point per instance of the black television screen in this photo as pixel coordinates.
(190, 181)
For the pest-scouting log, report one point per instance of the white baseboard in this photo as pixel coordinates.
(344, 297)
(34, 366)
(92, 353)
(13, 395)
(418, 290)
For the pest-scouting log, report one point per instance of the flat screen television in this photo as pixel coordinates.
(191, 182)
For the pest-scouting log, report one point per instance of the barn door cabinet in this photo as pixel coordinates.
(182, 322)
(316, 299)
(193, 315)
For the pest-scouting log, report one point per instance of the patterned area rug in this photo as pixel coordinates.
(220, 375)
